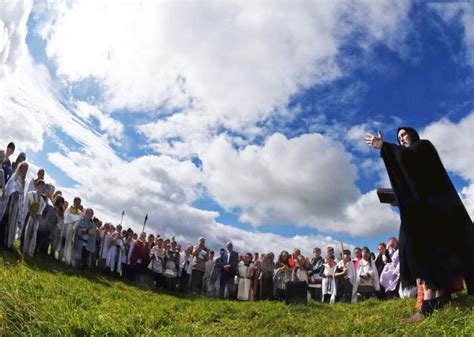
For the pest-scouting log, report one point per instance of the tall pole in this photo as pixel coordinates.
(144, 222)
(121, 220)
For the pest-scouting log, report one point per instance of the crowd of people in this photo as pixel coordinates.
(45, 223)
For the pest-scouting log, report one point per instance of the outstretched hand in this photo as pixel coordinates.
(374, 141)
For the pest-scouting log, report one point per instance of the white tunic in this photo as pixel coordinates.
(328, 284)
(36, 205)
(13, 193)
(105, 244)
(245, 283)
(116, 243)
(70, 220)
(365, 267)
(391, 273)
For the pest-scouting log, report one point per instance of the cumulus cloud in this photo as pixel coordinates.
(454, 144)
(162, 186)
(219, 64)
(112, 127)
(308, 181)
(13, 17)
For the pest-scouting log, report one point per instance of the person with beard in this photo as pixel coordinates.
(436, 232)
(11, 206)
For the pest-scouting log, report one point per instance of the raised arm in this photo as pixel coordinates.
(374, 141)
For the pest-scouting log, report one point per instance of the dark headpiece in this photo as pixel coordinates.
(412, 132)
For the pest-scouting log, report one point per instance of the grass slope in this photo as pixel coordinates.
(42, 297)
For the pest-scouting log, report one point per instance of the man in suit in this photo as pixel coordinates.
(230, 259)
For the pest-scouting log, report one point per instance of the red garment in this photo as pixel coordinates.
(139, 252)
(292, 262)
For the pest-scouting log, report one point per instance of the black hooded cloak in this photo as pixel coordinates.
(436, 232)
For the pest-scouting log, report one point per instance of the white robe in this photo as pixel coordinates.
(70, 220)
(111, 261)
(328, 284)
(186, 268)
(105, 245)
(391, 273)
(13, 192)
(31, 188)
(32, 223)
(363, 268)
(245, 283)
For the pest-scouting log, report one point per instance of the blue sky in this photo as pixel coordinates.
(225, 106)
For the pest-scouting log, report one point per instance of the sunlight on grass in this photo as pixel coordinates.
(43, 297)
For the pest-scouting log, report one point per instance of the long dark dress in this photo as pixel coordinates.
(436, 232)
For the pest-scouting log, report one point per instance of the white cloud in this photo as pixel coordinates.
(223, 64)
(308, 181)
(454, 143)
(13, 17)
(455, 147)
(232, 73)
(161, 186)
(112, 127)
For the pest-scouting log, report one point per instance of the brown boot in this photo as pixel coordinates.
(416, 317)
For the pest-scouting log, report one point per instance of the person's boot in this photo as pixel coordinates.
(427, 308)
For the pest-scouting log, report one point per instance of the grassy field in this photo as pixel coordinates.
(41, 297)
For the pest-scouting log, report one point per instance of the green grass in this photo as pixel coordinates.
(41, 297)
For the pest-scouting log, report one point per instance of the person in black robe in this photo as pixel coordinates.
(436, 232)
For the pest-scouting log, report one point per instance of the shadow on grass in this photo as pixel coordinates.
(10, 257)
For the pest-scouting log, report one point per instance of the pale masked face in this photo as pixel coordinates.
(404, 138)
